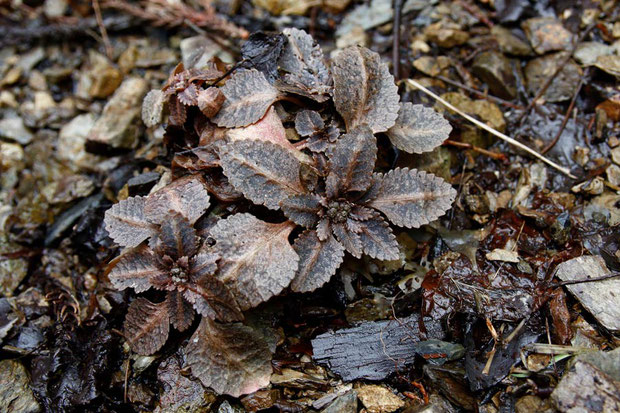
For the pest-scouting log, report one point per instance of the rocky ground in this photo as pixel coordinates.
(507, 303)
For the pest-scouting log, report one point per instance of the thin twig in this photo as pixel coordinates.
(476, 13)
(483, 95)
(494, 155)
(398, 6)
(566, 117)
(588, 280)
(109, 51)
(489, 129)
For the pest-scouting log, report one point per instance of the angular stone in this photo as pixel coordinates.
(563, 85)
(12, 270)
(119, 124)
(72, 140)
(497, 72)
(584, 388)
(446, 34)
(547, 34)
(378, 399)
(15, 393)
(346, 403)
(509, 43)
(100, 79)
(13, 128)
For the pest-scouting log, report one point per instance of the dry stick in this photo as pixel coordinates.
(497, 100)
(489, 129)
(494, 155)
(109, 51)
(566, 117)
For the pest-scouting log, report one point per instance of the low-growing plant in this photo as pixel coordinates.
(227, 137)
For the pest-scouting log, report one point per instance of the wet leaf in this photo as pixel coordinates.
(302, 209)
(351, 162)
(248, 96)
(264, 172)
(127, 224)
(364, 90)
(177, 238)
(411, 198)
(135, 269)
(230, 358)
(418, 129)
(303, 62)
(318, 261)
(152, 108)
(210, 101)
(180, 311)
(262, 51)
(187, 196)
(257, 261)
(377, 238)
(146, 326)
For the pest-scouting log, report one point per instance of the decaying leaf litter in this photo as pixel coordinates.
(233, 246)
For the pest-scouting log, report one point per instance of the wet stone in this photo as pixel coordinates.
(547, 34)
(118, 126)
(15, 393)
(562, 87)
(496, 71)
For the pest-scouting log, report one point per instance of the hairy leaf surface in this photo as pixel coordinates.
(127, 224)
(377, 238)
(351, 241)
(351, 160)
(411, 198)
(229, 358)
(302, 209)
(303, 62)
(318, 261)
(187, 196)
(177, 238)
(180, 312)
(135, 269)
(264, 172)
(364, 90)
(153, 107)
(418, 129)
(248, 96)
(257, 261)
(146, 326)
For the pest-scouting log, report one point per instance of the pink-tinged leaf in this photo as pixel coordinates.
(303, 62)
(187, 196)
(318, 261)
(136, 269)
(351, 162)
(177, 238)
(229, 358)
(349, 239)
(418, 129)
(269, 129)
(378, 240)
(210, 101)
(127, 223)
(364, 90)
(411, 198)
(180, 311)
(146, 326)
(302, 209)
(248, 96)
(153, 107)
(264, 172)
(257, 261)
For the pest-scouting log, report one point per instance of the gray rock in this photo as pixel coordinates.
(13, 128)
(55, 8)
(72, 140)
(599, 297)
(563, 85)
(509, 43)
(118, 126)
(586, 389)
(12, 270)
(586, 53)
(496, 71)
(198, 50)
(547, 34)
(15, 393)
(347, 403)
(606, 361)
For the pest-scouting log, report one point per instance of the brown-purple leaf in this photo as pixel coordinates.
(377, 239)
(189, 95)
(153, 107)
(303, 62)
(411, 198)
(302, 209)
(127, 224)
(264, 172)
(350, 240)
(135, 269)
(364, 90)
(308, 122)
(178, 111)
(180, 311)
(351, 162)
(318, 261)
(257, 261)
(177, 238)
(229, 358)
(210, 101)
(248, 96)
(146, 326)
(187, 196)
(418, 129)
